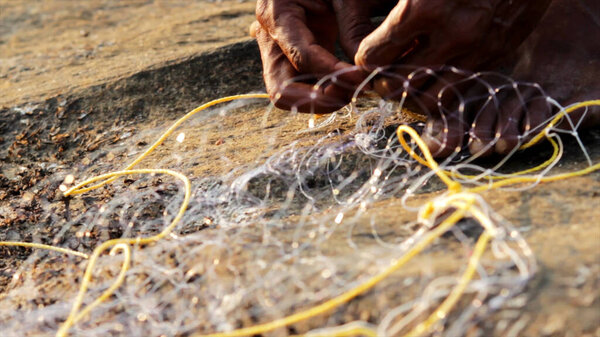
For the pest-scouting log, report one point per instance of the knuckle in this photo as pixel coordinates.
(263, 12)
(254, 29)
(364, 54)
(260, 10)
(298, 57)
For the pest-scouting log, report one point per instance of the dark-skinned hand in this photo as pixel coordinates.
(297, 37)
(466, 34)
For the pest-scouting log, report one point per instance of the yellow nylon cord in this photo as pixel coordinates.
(350, 294)
(460, 200)
(76, 315)
(448, 304)
(557, 118)
(43, 246)
(351, 329)
(536, 139)
(453, 186)
(165, 135)
(530, 179)
(553, 158)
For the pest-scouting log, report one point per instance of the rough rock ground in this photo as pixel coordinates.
(77, 77)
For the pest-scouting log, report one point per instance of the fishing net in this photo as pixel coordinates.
(352, 228)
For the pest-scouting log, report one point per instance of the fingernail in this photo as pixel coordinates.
(476, 146)
(435, 127)
(254, 29)
(501, 146)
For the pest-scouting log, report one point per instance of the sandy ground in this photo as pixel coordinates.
(79, 76)
(53, 47)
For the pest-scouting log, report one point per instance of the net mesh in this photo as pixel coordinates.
(350, 229)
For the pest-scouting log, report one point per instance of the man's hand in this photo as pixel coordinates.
(297, 38)
(467, 34)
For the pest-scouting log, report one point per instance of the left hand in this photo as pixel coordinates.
(297, 38)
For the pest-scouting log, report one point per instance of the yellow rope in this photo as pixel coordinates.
(453, 186)
(164, 136)
(460, 200)
(350, 294)
(443, 310)
(77, 315)
(553, 158)
(124, 243)
(346, 330)
(104, 179)
(42, 246)
(533, 179)
(536, 139)
(557, 118)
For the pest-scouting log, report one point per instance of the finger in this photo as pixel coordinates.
(433, 71)
(481, 133)
(582, 118)
(508, 130)
(538, 114)
(346, 80)
(391, 40)
(444, 135)
(427, 91)
(396, 85)
(254, 28)
(393, 82)
(347, 76)
(306, 98)
(448, 119)
(287, 24)
(443, 92)
(276, 67)
(354, 22)
(278, 74)
(442, 58)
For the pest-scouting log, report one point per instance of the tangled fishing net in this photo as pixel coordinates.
(353, 229)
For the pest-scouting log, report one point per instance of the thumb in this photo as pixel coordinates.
(354, 21)
(253, 29)
(391, 40)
